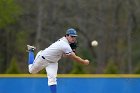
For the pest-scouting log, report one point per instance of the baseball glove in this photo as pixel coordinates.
(74, 46)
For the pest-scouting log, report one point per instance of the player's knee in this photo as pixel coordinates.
(32, 71)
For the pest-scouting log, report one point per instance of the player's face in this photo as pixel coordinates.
(71, 39)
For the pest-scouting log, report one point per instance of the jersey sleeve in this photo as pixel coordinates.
(67, 49)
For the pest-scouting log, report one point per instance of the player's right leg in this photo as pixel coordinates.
(30, 50)
(37, 64)
(31, 54)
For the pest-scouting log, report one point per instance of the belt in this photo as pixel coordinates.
(47, 60)
(43, 57)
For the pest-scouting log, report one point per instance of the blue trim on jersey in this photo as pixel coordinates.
(31, 57)
(53, 88)
(68, 53)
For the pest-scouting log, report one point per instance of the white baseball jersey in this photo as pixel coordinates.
(55, 51)
(49, 57)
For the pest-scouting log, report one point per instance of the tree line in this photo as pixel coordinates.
(113, 23)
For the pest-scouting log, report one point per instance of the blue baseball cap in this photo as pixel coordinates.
(71, 32)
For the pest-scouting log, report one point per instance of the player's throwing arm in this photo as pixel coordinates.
(79, 59)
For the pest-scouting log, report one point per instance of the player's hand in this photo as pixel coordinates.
(86, 62)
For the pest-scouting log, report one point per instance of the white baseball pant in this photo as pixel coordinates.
(51, 68)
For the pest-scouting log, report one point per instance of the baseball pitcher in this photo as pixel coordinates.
(49, 57)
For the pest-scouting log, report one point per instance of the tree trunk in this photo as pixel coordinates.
(39, 23)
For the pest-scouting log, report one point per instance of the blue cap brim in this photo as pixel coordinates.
(74, 35)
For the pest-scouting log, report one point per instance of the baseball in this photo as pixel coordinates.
(94, 43)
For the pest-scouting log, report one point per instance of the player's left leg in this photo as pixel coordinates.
(51, 70)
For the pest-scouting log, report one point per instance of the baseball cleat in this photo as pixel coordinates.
(31, 48)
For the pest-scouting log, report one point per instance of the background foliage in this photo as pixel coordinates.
(113, 23)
